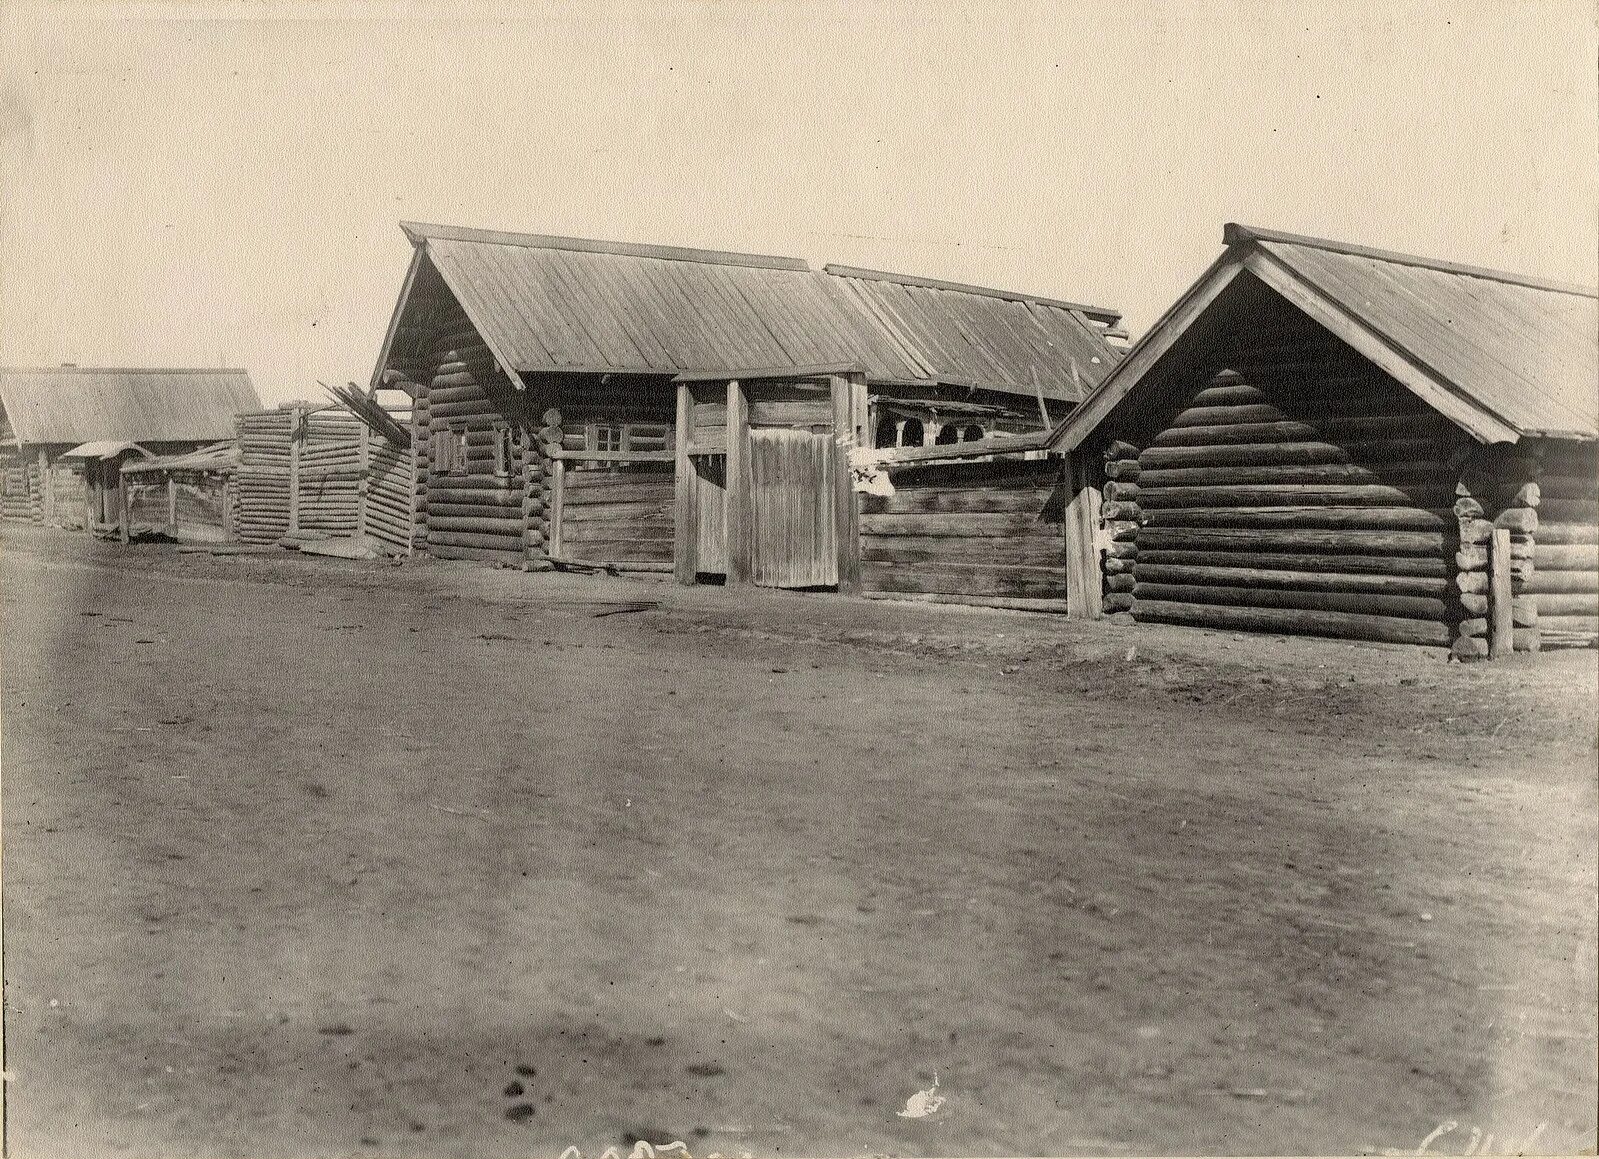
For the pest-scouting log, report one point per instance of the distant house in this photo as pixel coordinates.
(603, 403)
(1328, 439)
(65, 431)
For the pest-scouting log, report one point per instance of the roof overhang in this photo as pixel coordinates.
(103, 449)
(828, 370)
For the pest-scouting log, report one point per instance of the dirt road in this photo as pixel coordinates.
(313, 858)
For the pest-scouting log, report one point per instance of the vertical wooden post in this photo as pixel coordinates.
(229, 492)
(1502, 636)
(294, 470)
(122, 497)
(848, 409)
(1084, 580)
(47, 499)
(172, 505)
(685, 515)
(557, 503)
(739, 539)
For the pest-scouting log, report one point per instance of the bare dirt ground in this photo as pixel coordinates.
(305, 857)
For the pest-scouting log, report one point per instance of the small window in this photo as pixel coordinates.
(912, 434)
(972, 434)
(886, 430)
(947, 434)
(449, 452)
(610, 437)
(502, 450)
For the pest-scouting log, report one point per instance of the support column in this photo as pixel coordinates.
(685, 513)
(739, 542)
(47, 503)
(849, 412)
(1085, 587)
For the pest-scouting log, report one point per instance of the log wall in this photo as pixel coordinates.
(981, 530)
(21, 491)
(261, 483)
(1562, 582)
(329, 473)
(613, 512)
(1308, 496)
(388, 511)
(621, 514)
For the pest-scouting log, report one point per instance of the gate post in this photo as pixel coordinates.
(685, 513)
(1084, 576)
(849, 415)
(739, 541)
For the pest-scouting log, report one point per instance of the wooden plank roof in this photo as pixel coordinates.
(548, 304)
(77, 404)
(1503, 355)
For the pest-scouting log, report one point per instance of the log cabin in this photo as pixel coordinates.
(586, 404)
(1327, 439)
(66, 431)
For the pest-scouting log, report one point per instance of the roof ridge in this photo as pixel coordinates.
(421, 231)
(1102, 313)
(1234, 233)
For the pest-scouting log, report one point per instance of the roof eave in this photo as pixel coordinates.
(1237, 234)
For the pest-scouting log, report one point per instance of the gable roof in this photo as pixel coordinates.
(551, 304)
(1502, 355)
(78, 404)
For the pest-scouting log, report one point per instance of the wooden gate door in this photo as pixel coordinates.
(793, 533)
(710, 514)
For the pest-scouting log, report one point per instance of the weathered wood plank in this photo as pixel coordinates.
(957, 524)
(977, 580)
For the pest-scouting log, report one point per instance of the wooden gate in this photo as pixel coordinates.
(793, 529)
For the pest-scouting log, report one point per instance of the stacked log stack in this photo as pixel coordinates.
(1563, 580)
(539, 489)
(1315, 505)
(261, 483)
(23, 498)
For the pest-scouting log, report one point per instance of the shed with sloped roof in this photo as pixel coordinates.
(47, 412)
(1326, 438)
(615, 404)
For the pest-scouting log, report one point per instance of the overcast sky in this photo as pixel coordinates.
(184, 189)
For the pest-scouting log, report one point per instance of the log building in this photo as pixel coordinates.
(48, 414)
(1328, 439)
(581, 403)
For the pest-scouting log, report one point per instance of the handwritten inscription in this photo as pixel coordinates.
(1480, 1144)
